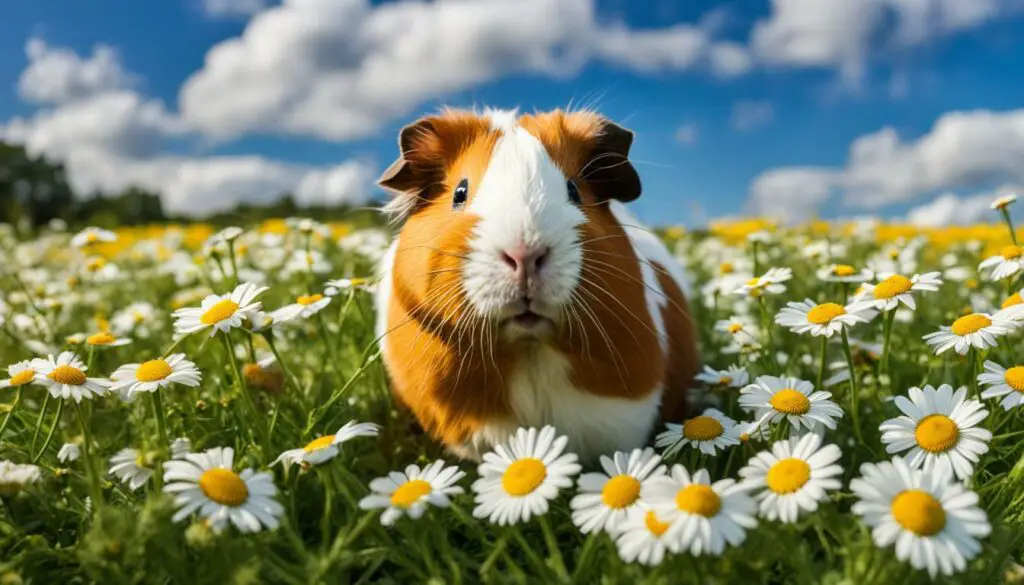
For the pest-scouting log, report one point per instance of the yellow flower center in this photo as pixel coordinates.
(893, 286)
(224, 487)
(735, 328)
(919, 512)
(824, 313)
(657, 527)
(21, 378)
(308, 299)
(936, 433)
(523, 476)
(1014, 378)
(1012, 300)
(724, 380)
(1011, 252)
(702, 428)
(620, 491)
(788, 475)
(69, 375)
(91, 238)
(726, 268)
(970, 324)
(222, 310)
(789, 401)
(843, 270)
(101, 338)
(319, 443)
(153, 370)
(410, 492)
(698, 499)
(95, 264)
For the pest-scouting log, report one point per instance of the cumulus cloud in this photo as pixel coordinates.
(110, 138)
(233, 8)
(749, 115)
(951, 209)
(687, 134)
(791, 194)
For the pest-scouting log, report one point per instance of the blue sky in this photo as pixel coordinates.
(739, 107)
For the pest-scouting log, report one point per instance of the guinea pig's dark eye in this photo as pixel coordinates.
(461, 192)
(574, 192)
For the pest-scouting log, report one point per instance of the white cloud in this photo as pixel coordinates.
(57, 75)
(687, 134)
(233, 8)
(948, 209)
(791, 194)
(339, 70)
(749, 115)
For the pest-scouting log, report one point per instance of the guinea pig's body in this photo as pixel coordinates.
(520, 291)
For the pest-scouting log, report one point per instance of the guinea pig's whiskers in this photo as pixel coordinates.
(623, 274)
(438, 250)
(581, 174)
(615, 314)
(616, 359)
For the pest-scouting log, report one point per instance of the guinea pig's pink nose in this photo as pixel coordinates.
(525, 261)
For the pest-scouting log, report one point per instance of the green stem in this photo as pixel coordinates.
(315, 416)
(49, 435)
(972, 369)
(821, 362)
(553, 550)
(14, 409)
(1009, 224)
(94, 480)
(257, 420)
(158, 413)
(854, 388)
(887, 326)
(269, 337)
(39, 421)
(234, 264)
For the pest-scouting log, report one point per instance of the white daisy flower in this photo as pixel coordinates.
(710, 432)
(774, 399)
(219, 312)
(703, 517)
(1002, 382)
(133, 318)
(155, 374)
(934, 522)
(821, 319)
(228, 234)
(894, 289)
(939, 429)
(21, 373)
(1008, 262)
(334, 287)
(752, 431)
(128, 466)
(304, 307)
(768, 283)
(1003, 202)
(64, 376)
(302, 262)
(325, 448)
(106, 339)
(978, 330)
(68, 452)
(180, 447)
(793, 476)
(643, 538)
(411, 491)
(14, 477)
(309, 226)
(606, 500)
(520, 477)
(92, 235)
(844, 273)
(732, 377)
(205, 483)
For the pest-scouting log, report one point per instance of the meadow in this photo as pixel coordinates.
(207, 404)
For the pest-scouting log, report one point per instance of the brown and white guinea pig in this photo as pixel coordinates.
(521, 292)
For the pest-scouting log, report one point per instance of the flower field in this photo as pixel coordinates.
(195, 404)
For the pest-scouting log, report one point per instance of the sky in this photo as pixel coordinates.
(905, 109)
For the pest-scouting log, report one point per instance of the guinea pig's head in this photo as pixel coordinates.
(497, 211)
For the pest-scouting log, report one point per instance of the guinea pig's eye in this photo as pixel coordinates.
(461, 192)
(574, 192)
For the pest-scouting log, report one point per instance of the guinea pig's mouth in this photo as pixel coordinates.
(527, 322)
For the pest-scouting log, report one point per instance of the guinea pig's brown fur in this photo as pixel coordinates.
(453, 368)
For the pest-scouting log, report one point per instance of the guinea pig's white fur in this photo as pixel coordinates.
(522, 199)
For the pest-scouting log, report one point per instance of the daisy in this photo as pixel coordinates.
(844, 273)
(793, 476)
(702, 516)
(977, 330)
(68, 452)
(775, 399)
(334, 287)
(133, 318)
(21, 373)
(410, 492)
(106, 339)
(643, 539)
(14, 477)
(304, 307)
(606, 500)
(325, 448)
(1008, 262)
(92, 235)
(128, 466)
(64, 376)
(744, 332)
(939, 429)
(934, 522)
(180, 447)
(821, 319)
(733, 377)
(219, 312)
(228, 234)
(520, 477)
(205, 483)
(302, 261)
(1008, 383)
(709, 432)
(894, 289)
(152, 375)
(1003, 202)
(768, 283)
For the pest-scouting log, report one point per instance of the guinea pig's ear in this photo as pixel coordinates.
(417, 159)
(609, 173)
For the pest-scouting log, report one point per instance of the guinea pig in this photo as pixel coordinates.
(520, 291)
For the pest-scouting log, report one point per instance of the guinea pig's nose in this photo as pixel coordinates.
(524, 261)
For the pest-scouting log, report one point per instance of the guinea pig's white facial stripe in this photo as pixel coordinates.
(522, 200)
